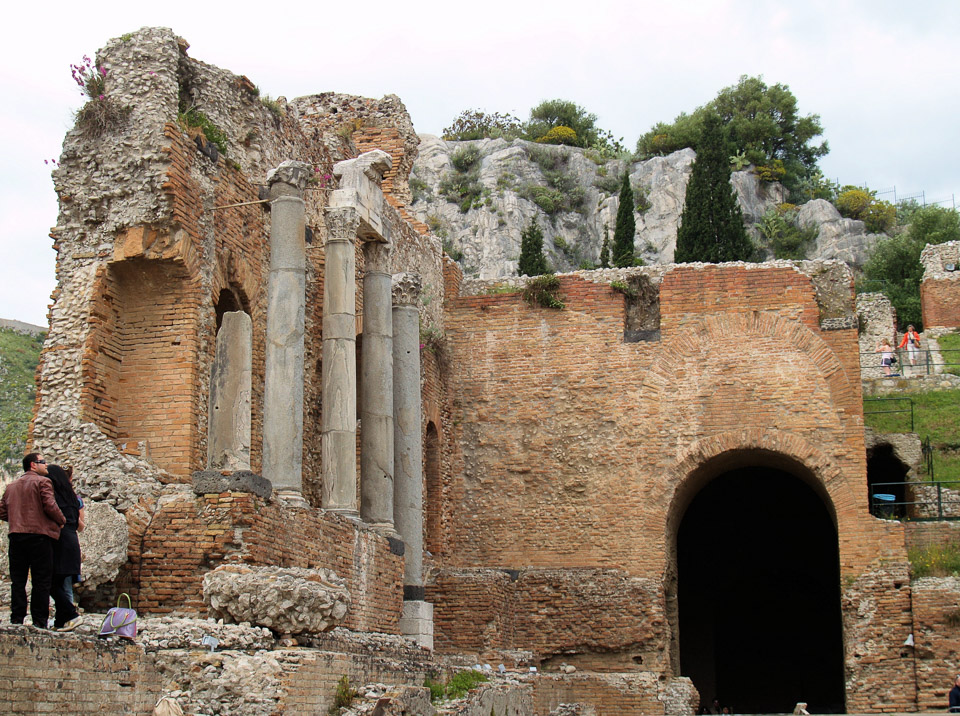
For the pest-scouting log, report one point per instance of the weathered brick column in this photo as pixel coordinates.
(354, 212)
(376, 390)
(283, 384)
(417, 619)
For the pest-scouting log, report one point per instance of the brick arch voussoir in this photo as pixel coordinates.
(692, 343)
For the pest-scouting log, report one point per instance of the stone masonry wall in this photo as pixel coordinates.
(940, 289)
(47, 673)
(936, 620)
(185, 536)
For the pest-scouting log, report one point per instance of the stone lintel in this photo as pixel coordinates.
(359, 188)
(206, 482)
(406, 289)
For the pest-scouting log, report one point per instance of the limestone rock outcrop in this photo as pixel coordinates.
(838, 238)
(507, 175)
(290, 600)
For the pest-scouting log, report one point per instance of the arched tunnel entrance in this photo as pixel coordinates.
(759, 594)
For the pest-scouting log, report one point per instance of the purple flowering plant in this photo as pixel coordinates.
(90, 77)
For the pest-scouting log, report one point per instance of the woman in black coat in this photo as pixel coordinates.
(66, 552)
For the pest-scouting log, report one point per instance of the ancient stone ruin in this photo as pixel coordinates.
(271, 374)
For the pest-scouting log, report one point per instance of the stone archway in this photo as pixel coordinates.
(754, 600)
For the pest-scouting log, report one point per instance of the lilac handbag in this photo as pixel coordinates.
(120, 621)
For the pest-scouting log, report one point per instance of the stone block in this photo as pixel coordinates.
(206, 482)
(286, 600)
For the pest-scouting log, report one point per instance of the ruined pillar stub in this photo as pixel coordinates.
(228, 422)
(408, 451)
(283, 383)
(354, 210)
(376, 390)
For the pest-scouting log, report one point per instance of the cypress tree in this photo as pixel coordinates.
(532, 261)
(626, 227)
(711, 225)
(605, 248)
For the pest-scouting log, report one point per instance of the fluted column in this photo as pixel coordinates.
(283, 382)
(376, 390)
(339, 375)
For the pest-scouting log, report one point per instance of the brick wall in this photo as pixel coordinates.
(186, 536)
(936, 632)
(940, 303)
(54, 673)
(609, 695)
(576, 450)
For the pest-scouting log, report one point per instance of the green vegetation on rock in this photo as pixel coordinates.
(760, 122)
(19, 355)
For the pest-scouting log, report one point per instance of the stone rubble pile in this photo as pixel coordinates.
(285, 600)
(104, 544)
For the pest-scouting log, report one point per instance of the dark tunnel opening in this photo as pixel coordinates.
(759, 595)
(885, 476)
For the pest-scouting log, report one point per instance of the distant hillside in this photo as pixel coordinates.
(19, 355)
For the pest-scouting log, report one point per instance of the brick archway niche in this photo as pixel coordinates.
(752, 582)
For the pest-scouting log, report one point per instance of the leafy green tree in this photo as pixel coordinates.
(894, 265)
(711, 225)
(554, 113)
(532, 261)
(626, 226)
(934, 225)
(761, 122)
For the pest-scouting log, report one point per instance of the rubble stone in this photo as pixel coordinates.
(286, 600)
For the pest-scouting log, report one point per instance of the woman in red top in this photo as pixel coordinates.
(911, 340)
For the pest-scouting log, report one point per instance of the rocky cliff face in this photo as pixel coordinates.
(479, 196)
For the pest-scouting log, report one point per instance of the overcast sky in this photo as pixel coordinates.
(883, 76)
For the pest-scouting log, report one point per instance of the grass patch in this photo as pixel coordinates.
(542, 291)
(935, 415)
(937, 560)
(456, 686)
(950, 351)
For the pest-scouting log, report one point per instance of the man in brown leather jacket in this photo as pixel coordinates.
(35, 521)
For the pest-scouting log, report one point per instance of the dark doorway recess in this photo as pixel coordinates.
(759, 595)
(886, 475)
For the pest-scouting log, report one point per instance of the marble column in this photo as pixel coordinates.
(417, 618)
(339, 376)
(228, 422)
(283, 381)
(376, 390)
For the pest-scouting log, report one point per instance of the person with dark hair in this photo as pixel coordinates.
(34, 520)
(66, 553)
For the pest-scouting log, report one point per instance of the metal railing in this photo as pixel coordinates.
(889, 400)
(945, 360)
(927, 500)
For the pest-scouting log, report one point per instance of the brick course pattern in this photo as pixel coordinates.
(51, 673)
(185, 536)
(940, 288)
(578, 451)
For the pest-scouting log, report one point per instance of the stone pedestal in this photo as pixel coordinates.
(228, 421)
(376, 390)
(416, 622)
(283, 383)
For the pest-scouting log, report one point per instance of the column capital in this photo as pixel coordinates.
(342, 223)
(406, 289)
(376, 257)
(292, 173)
